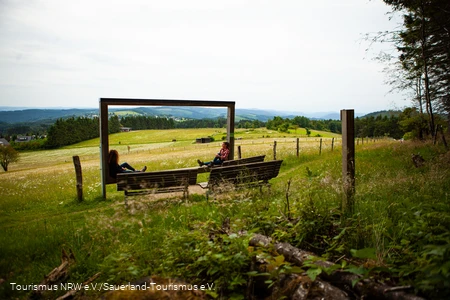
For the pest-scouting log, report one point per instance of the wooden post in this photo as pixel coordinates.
(78, 173)
(348, 159)
(332, 144)
(274, 150)
(104, 147)
(230, 128)
(298, 146)
(320, 148)
(239, 152)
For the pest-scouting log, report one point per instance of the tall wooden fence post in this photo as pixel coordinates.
(320, 148)
(332, 144)
(298, 146)
(274, 150)
(79, 176)
(348, 160)
(239, 152)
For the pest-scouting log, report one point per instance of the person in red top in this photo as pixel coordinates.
(220, 157)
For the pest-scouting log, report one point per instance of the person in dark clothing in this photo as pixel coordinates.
(115, 167)
(219, 158)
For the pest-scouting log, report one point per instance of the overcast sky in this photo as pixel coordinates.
(286, 55)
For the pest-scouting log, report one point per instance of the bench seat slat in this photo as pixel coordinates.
(241, 161)
(154, 191)
(245, 160)
(251, 173)
(164, 181)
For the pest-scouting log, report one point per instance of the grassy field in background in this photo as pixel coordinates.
(401, 212)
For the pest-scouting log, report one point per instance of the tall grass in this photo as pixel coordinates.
(401, 211)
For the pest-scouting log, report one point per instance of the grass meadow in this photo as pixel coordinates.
(401, 213)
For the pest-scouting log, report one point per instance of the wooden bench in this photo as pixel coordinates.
(242, 161)
(156, 182)
(234, 162)
(258, 173)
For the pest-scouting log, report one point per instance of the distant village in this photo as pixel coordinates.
(21, 139)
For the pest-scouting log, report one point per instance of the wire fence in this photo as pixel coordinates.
(248, 147)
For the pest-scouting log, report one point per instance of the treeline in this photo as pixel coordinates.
(147, 122)
(407, 124)
(74, 130)
(283, 125)
(30, 128)
(203, 123)
(379, 126)
(67, 132)
(219, 123)
(250, 124)
(143, 122)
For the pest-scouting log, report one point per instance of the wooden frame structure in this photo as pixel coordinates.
(104, 139)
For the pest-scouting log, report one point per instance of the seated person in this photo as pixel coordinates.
(219, 158)
(115, 167)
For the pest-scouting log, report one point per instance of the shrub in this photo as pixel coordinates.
(8, 155)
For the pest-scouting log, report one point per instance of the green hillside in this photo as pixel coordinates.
(398, 234)
(383, 113)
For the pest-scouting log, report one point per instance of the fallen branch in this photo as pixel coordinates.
(57, 275)
(363, 288)
(300, 287)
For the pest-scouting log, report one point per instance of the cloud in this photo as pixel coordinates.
(273, 55)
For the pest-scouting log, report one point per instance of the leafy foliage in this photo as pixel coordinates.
(379, 126)
(8, 155)
(423, 62)
(223, 260)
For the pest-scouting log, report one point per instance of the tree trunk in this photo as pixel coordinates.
(419, 97)
(425, 70)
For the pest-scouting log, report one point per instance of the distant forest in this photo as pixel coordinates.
(407, 124)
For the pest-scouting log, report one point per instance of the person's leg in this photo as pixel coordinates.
(217, 161)
(127, 166)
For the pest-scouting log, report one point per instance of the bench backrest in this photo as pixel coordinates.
(252, 172)
(156, 179)
(245, 160)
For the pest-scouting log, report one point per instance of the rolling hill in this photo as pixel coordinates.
(31, 115)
